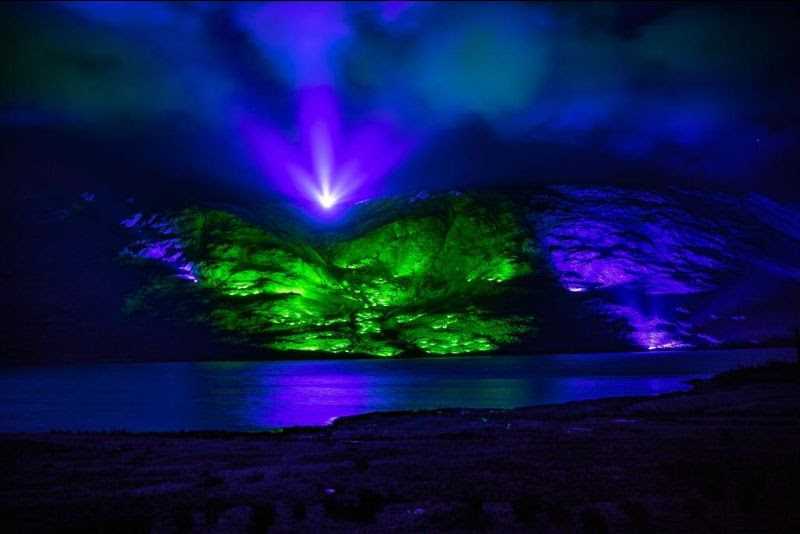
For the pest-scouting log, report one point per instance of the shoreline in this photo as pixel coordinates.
(12, 363)
(722, 456)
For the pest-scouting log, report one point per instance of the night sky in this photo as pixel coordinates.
(422, 96)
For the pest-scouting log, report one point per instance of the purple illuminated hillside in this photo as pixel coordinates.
(681, 267)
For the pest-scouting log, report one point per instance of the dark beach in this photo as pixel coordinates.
(723, 457)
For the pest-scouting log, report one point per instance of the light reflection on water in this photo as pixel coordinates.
(258, 395)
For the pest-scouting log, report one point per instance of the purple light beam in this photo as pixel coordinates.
(320, 163)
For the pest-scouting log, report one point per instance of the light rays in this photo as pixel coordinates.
(321, 164)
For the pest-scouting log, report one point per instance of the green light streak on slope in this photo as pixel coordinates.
(419, 283)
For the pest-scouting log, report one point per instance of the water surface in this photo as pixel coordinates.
(259, 395)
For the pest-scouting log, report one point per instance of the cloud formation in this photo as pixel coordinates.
(702, 92)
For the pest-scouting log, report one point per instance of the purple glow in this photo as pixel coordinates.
(325, 166)
(168, 251)
(302, 36)
(638, 251)
(651, 332)
(601, 238)
(320, 395)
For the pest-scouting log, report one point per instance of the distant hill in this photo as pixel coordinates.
(103, 276)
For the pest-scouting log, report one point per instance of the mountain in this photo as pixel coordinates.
(104, 276)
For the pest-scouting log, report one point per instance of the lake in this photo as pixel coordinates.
(261, 395)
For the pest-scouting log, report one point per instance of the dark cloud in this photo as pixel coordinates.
(669, 91)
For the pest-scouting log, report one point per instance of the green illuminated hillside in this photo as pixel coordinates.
(420, 283)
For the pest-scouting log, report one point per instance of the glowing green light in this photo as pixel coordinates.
(413, 284)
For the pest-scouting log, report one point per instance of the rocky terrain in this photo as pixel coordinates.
(721, 458)
(562, 268)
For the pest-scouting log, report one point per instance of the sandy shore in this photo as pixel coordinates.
(722, 458)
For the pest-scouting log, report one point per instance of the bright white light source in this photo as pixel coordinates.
(326, 200)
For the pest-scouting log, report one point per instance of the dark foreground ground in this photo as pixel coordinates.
(723, 458)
